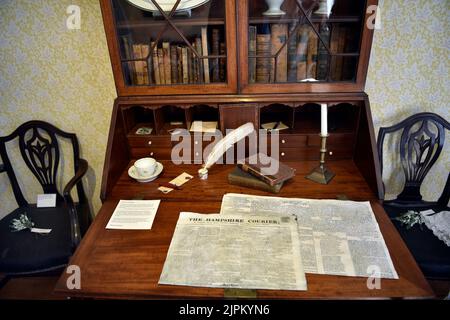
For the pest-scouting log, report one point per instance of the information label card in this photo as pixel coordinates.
(134, 215)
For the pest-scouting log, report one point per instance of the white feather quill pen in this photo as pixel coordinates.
(223, 145)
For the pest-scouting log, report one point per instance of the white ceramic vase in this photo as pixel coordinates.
(325, 7)
(274, 8)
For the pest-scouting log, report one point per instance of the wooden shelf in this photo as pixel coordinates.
(178, 23)
(315, 19)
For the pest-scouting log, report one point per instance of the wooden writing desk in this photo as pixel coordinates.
(127, 263)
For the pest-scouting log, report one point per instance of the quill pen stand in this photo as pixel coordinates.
(321, 174)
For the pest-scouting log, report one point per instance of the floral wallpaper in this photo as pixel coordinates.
(64, 77)
(409, 73)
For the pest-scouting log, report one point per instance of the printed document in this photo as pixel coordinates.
(336, 237)
(246, 252)
(134, 215)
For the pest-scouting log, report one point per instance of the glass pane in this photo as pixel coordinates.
(294, 41)
(190, 49)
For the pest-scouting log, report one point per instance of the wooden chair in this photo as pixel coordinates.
(27, 253)
(420, 147)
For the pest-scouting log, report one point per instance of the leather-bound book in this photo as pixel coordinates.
(278, 37)
(138, 65)
(200, 62)
(155, 63)
(263, 64)
(162, 74)
(215, 52)
(251, 52)
(166, 61)
(292, 54)
(148, 79)
(302, 52)
(205, 52)
(195, 67)
(244, 179)
(257, 170)
(322, 53)
(173, 64)
(179, 64)
(311, 62)
(191, 69)
(186, 64)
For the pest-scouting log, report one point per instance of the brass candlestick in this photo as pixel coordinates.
(321, 174)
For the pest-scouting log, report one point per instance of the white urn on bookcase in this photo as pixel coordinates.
(274, 8)
(325, 7)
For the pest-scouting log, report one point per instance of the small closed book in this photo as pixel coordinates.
(244, 179)
(260, 169)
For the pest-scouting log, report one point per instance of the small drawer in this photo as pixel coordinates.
(157, 153)
(149, 141)
(290, 141)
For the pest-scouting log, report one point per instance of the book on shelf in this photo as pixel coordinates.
(251, 52)
(244, 179)
(195, 67)
(162, 75)
(137, 64)
(179, 64)
(155, 63)
(263, 63)
(292, 53)
(302, 51)
(205, 53)
(173, 64)
(166, 62)
(278, 71)
(199, 49)
(322, 52)
(147, 72)
(185, 66)
(190, 67)
(215, 40)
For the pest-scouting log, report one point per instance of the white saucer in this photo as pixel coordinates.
(132, 172)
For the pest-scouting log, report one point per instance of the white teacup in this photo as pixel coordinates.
(145, 166)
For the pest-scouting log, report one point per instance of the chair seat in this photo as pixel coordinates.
(432, 255)
(27, 252)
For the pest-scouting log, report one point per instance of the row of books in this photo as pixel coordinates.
(304, 57)
(173, 63)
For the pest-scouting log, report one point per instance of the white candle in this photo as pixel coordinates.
(324, 119)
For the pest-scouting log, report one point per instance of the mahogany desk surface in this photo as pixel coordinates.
(128, 263)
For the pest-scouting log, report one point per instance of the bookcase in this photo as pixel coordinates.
(232, 62)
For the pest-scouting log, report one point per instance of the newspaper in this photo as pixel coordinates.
(212, 250)
(336, 237)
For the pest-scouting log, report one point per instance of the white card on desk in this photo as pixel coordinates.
(46, 200)
(134, 215)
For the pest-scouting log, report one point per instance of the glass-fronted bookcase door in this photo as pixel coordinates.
(172, 46)
(303, 45)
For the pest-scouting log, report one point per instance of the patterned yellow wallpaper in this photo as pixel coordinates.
(64, 76)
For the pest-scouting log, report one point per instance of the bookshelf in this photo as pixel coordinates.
(233, 89)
